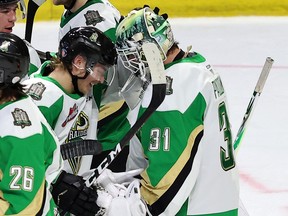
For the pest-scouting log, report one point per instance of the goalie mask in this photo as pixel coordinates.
(14, 59)
(139, 27)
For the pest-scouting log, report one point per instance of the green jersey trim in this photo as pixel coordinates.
(233, 212)
(195, 59)
(10, 102)
(65, 20)
(49, 79)
(32, 68)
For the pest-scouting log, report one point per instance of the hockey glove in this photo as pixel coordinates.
(72, 195)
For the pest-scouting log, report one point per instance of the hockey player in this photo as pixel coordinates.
(186, 145)
(60, 86)
(100, 14)
(29, 149)
(59, 89)
(8, 16)
(108, 107)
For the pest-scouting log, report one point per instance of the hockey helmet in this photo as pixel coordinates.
(87, 41)
(137, 28)
(14, 59)
(142, 26)
(7, 2)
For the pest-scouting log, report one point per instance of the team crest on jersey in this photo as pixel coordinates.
(36, 90)
(80, 127)
(72, 113)
(20, 118)
(93, 17)
(169, 89)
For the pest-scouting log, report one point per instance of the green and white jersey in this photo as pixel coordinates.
(60, 108)
(104, 16)
(85, 127)
(188, 145)
(98, 13)
(30, 160)
(35, 61)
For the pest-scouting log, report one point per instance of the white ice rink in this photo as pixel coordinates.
(237, 48)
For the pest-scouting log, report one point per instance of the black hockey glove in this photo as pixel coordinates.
(72, 195)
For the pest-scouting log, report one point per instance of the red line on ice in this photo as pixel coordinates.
(252, 182)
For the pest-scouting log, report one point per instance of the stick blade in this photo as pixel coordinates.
(155, 63)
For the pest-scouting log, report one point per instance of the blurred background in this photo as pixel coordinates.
(186, 8)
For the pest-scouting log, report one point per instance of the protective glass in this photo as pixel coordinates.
(109, 74)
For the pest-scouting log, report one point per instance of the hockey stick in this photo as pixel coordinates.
(158, 94)
(255, 96)
(80, 148)
(33, 6)
(91, 147)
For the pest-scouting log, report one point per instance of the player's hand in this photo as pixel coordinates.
(72, 195)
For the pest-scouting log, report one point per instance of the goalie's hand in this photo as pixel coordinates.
(72, 195)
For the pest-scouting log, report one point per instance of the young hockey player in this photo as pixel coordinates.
(187, 142)
(29, 150)
(102, 15)
(8, 16)
(59, 89)
(60, 86)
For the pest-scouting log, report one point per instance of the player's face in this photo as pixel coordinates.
(8, 17)
(96, 76)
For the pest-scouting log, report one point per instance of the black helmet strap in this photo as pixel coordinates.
(75, 84)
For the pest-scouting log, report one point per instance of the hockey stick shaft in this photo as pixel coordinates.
(94, 147)
(158, 94)
(255, 96)
(32, 8)
(80, 148)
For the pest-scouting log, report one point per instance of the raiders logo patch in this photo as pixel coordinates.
(36, 90)
(93, 17)
(21, 118)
